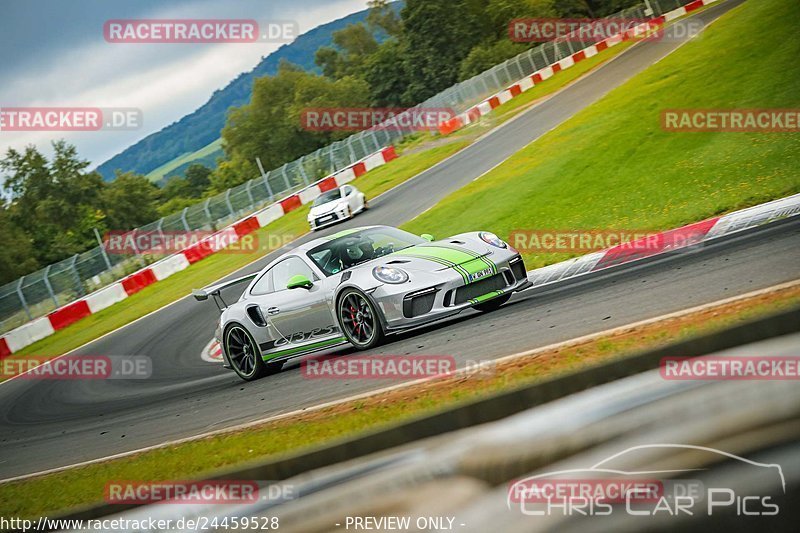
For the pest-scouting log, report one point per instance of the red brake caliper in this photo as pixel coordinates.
(353, 318)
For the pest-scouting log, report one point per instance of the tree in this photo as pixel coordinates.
(591, 8)
(16, 253)
(484, 57)
(57, 202)
(270, 126)
(352, 46)
(129, 201)
(437, 36)
(386, 74)
(382, 15)
(198, 178)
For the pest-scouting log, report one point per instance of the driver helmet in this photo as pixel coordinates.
(354, 251)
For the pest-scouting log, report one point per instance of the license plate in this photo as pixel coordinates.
(325, 218)
(480, 274)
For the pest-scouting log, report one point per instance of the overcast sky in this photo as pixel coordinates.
(53, 53)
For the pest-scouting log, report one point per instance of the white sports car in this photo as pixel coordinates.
(336, 205)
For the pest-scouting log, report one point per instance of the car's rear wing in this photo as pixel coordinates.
(214, 290)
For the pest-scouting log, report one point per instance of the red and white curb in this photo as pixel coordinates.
(212, 353)
(38, 329)
(487, 106)
(685, 237)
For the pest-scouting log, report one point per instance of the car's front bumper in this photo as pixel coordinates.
(328, 219)
(409, 305)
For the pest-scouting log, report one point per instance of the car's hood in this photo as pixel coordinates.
(465, 254)
(324, 209)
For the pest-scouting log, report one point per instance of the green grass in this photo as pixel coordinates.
(612, 166)
(55, 493)
(211, 149)
(511, 108)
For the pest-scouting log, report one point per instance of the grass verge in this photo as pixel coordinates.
(58, 492)
(612, 166)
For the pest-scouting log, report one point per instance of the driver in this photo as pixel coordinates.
(356, 251)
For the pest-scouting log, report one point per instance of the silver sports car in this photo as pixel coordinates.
(355, 287)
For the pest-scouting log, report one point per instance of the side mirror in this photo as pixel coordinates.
(427, 236)
(299, 282)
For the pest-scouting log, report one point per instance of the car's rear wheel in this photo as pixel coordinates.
(492, 304)
(359, 319)
(243, 353)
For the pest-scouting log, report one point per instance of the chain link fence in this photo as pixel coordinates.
(41, 292)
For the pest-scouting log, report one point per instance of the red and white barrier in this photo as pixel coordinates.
(684, 237)
(62, 317)
(487, 106)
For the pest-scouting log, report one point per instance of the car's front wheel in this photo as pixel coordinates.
(492, 304)
(243, 353)
(359, 319)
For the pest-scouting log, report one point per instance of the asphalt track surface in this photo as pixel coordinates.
(48, 424)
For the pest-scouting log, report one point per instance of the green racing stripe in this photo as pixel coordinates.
(305, 347)
(465, 262)
(485, 297)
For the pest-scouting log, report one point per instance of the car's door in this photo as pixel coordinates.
(299, 316)
(350, 193)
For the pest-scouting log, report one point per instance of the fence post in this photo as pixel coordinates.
(22, 299)
(250, 194)
(331, 158)
(302, 170)
(49, 286)
(496, 80)
(265, 176)
(207, 211)
(363, 144)
(75, 273)
(286, 176)
(102, 249)
(228, 201)
(183, 220)
(529, 55)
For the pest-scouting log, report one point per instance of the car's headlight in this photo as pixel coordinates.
(491, 238)
(389, 275)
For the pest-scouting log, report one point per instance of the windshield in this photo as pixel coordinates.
(326, 197)
(349, 250)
